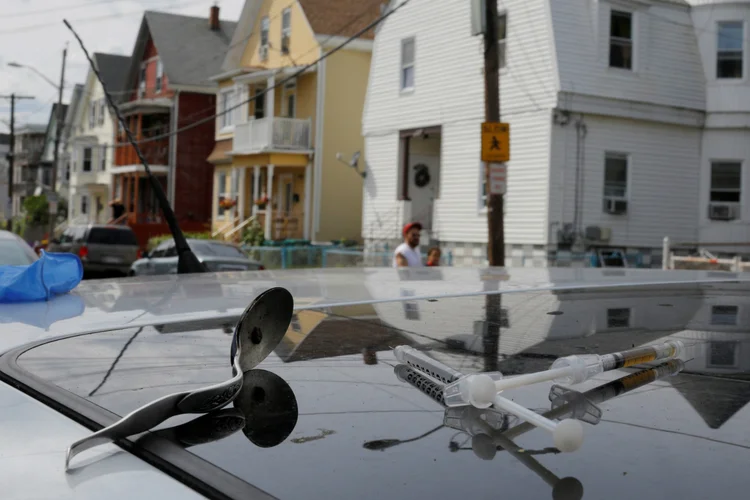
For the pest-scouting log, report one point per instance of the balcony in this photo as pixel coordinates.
(155, 152)
(268, 134)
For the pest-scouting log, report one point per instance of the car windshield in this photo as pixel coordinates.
(15, 253)
(216, 250)
(332, 396)
(107, 236)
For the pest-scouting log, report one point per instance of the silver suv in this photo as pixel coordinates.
(102, 248)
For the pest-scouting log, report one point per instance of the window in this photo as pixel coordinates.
(724, 315)
(92, 113)
(159, 75)
(621, 40)
(216, 249)
(106, 236)
(142, 81)
(729, 50)
(725, 181)
(502, 32)
(407, 64)
(618, 318)
(260, 103)
(67, 171)
(286, 30)
(102, 110)
(722, 355)
(615, 175)
(291, 105)
(84, 205)
(87, 152)
(221, 189)
(103, 158)
(228, 98)
(264, 23)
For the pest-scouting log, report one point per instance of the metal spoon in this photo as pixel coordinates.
(259, 330)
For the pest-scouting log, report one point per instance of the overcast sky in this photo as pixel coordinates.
(32, 33)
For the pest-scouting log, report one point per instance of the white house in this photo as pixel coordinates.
(90, 142)
(628, 122)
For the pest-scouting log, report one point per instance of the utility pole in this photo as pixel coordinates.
(495, 228)
(11, 153)
(56, 154)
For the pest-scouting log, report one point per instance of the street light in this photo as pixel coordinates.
(42, 75)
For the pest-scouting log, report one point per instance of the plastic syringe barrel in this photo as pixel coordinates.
(589, 365)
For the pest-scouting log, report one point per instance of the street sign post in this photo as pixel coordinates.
(495, 142)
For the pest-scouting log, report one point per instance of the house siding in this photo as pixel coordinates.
(733, 145)
(663, 179)
(667, 68)
(193, 174)
(452, 95)
(341, 187)
(150, 57)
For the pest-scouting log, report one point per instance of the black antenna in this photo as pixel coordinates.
(187, 261)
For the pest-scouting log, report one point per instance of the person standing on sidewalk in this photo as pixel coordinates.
(407, 253)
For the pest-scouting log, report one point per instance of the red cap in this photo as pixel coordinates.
(408, 227)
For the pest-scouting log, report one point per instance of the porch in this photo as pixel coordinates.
(146, 124)
(277, 196)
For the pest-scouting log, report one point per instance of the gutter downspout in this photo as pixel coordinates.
(171, 181)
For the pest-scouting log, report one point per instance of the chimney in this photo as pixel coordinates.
(213, 18)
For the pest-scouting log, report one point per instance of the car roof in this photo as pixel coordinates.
(343, 402)
(7, 235)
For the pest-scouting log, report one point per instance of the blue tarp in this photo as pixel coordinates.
(53, 274)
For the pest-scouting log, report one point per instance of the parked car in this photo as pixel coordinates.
(14, 251)
(215, 255)
(102, 248)
(331, 411)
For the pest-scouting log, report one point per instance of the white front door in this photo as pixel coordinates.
(423, 187)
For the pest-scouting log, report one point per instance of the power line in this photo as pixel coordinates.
(99, 18)
(293, 76)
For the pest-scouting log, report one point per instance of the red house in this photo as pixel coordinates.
(173, 59)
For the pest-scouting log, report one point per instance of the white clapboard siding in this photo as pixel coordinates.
(667, 64)
(663, 179)
(380, 206)
(449, 92)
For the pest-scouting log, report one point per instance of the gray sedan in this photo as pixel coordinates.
(215, 255)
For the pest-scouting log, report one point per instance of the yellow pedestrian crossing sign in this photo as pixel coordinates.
(495, 142)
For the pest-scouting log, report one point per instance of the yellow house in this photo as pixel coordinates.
(284, 157)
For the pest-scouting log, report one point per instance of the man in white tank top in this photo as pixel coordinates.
(407, 253)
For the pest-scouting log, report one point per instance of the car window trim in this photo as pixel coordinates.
(189, 469)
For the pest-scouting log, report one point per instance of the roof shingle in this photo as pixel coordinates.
(341, 17)
(189, 50)
(113, 70)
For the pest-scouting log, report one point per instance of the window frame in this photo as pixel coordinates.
(227, 100)
(739, 202)
(221, 193)
(617, 155)
(159, 82)
(403, 67)
(629, 320)
(102, 108)
(736, 352)
(103, 158)
(142, 80)
(84, 204)
(286, 30)
(264, 37)
(622, 41)
(719, 50)
(90, 159)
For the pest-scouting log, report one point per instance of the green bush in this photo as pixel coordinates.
(36, 210)
(156, 240)
(253, 235)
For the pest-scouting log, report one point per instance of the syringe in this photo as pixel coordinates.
(480, 389)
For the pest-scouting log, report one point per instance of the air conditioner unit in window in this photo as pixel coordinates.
(723, 211)
(615, 206)
(263, 52)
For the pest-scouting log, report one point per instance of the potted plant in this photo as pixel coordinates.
(227, 203)
(262, 202)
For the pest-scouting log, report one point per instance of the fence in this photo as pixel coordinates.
(705, 260)
(295, 257)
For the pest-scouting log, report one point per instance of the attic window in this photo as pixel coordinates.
(286, 30)
(142, 81)
(264, 23)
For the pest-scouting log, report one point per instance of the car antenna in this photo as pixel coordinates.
(187, 262)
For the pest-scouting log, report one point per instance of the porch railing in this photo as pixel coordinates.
(155, 152)
(291, 134)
